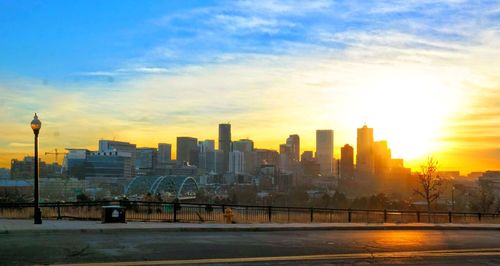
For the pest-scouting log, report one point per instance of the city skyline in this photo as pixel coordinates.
(422, 74)
(202, 145)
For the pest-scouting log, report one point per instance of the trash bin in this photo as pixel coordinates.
(113, 214)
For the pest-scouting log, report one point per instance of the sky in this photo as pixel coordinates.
(424, 74)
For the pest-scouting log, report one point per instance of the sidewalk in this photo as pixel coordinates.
(26, 226)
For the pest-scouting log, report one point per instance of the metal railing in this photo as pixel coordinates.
(216, 213)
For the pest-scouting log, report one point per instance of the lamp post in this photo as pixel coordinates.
(452, 198)
(36, 125)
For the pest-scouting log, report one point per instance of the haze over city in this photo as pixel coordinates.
(423, 74)
(256, 132)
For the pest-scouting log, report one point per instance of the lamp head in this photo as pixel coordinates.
(36, 124)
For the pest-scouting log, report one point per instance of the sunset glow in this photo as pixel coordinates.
(427, 86)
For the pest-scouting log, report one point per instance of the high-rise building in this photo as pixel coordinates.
(286, 157)
(307, 156)
(123, 148)
(336, 167)
(164, 154)
(146, 161)
(310, 167)
(381, 159)
(205, 147)
(236, 162)
(347, 161)
(364, 155)
(225, 143)
(245, 146)
(400, 179)
(23, 169)
(294, 141)
(186, 147)
(214, 162)
(110, 164)
(264, 157)
(119, 146)
(74, 162)
(83, 164)
(398, 169)
(324, 151)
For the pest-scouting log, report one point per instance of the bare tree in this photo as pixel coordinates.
(483, 200)
(429, 183)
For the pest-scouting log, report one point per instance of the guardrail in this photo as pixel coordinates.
(219, 213)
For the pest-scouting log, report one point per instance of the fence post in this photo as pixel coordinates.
(418, 216)
(385, 216)
(288, 214)
(175, 211)
(449, 217)
(349, 216)
(479, 216)
(312, 215)
(223, 208)
(59, 210)
(269, 213)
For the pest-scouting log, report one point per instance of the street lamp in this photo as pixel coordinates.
(452, 198)
(36, 125)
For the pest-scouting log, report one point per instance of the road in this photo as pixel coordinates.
(149, 247)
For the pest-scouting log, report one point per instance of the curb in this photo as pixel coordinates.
(253, 229)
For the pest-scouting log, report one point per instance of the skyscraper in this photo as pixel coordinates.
(286, 157)
(245, 146)
(214, 162)
(146, 161)
(324, 151)
(205, 147)
(265, 157)
(381, 159)
(309, 165)
(186, 147)
(364, 155)
(236, 162)
(164, 154)
(146, 158)
(307, 156)
(294, 141)
(225, 143)
(347, 161)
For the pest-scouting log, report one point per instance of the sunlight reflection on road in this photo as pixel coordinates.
(402, 238)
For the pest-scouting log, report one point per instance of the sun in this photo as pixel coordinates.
(409, 111)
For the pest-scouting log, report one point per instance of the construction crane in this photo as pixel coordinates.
(55, 153)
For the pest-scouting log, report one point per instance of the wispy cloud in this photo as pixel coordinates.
(240, 24)
(276, 67)
(23, 145)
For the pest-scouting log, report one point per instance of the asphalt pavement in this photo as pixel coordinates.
(155, 246)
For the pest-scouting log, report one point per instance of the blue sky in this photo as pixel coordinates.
(57, 39)
(132, 69)
(66, 41)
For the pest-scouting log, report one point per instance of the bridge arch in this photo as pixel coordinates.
(182, 187)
